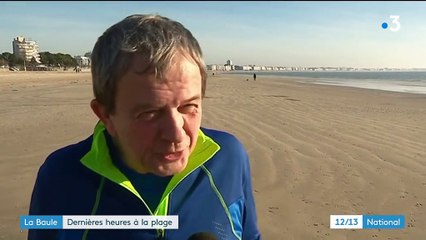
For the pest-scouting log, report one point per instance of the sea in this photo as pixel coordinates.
(396, 81)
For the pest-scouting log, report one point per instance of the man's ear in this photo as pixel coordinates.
(104, 116)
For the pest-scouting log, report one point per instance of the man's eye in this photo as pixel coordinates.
(148, 115)
(189, 108)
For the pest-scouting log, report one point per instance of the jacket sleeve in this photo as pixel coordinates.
(40, 202)
(250, 229)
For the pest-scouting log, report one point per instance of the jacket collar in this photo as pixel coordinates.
(99, 160)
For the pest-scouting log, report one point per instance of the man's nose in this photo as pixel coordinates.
(173, 127)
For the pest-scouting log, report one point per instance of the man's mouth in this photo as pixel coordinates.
(173, 156)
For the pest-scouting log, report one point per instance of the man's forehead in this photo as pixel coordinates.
(141, 64)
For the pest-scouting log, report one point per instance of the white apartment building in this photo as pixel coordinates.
(82, 61)
(26, 49)
(211, 67)
(219, 67)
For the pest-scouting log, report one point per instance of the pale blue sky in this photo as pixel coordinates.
(262, 33)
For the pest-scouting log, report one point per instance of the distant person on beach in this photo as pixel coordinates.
(148, 154)
(254, 76)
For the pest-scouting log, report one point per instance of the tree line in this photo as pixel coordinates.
(46, 58)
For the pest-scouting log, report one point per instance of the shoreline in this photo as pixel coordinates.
(341, 82)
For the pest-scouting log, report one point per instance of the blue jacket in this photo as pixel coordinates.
(213, 194)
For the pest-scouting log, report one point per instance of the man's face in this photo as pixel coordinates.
(156, 121)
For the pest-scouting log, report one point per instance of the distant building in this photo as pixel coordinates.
(219, 67)
(257, 68)
(229, 66)
(82, 61)
(25, 49)
(238, 67)
(212, 67)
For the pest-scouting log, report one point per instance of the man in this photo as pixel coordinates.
(148, 154)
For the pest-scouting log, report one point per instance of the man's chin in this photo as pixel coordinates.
(171, 168)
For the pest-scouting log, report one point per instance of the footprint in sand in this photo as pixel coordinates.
(271, 209)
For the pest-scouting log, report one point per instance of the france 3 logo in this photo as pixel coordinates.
(395, 25)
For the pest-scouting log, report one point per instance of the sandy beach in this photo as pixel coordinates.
(315, 150)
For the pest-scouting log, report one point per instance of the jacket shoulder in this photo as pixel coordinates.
(232, 156)
(227, 141)
(66, 158)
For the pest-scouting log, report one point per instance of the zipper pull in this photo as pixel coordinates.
(160, 234)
